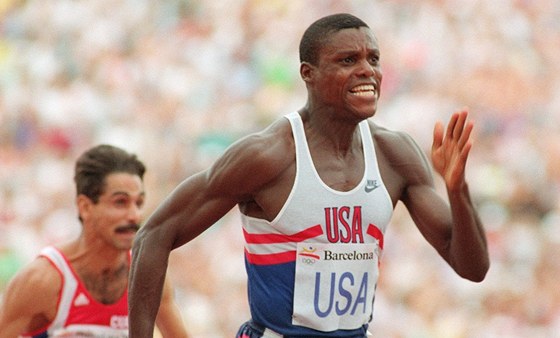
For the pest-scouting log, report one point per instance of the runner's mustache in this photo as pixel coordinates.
(129, 227)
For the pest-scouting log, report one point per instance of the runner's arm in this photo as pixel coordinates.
(195, 205)
(29, 299)
(452, 227)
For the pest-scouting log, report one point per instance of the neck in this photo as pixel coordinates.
(91, 256)
(326, 128)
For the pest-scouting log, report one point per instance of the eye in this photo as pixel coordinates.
(348, 60)
(374, 59)
(121, 201)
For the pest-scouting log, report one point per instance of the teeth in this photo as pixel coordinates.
(363, 90)
(363, 93)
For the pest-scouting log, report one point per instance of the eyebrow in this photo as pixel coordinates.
(338, 51)
(118, 192)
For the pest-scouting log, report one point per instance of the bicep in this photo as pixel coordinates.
(189, 210)
(201, 200)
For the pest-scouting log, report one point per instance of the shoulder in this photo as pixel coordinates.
(38, 277)
(399, 146)
(34, 291)
(267, 145)
(255, 159)
(401, 153)
(41, 278)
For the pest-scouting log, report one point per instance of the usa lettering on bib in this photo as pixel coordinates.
(334, 285)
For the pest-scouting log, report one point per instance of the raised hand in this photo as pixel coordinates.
(450, 149)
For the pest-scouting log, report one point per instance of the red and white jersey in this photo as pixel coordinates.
(78, 313)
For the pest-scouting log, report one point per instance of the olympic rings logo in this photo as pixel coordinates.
(308, 261)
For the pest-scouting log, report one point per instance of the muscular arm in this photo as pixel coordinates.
(30, 299)
(187, 212)
(453, 229)
(195, 205)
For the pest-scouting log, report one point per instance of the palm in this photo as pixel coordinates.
(451, 148)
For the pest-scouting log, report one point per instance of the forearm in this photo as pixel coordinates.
(147, 275)
(468, 245)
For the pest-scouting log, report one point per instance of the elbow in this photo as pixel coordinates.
(477, 273)
(475, 277)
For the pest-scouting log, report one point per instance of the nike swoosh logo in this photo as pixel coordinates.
(371, 186)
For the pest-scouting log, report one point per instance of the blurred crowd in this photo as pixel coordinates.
(177, 81)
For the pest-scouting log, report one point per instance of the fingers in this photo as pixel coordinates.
(465, 135)
(438, 136)
(460, 125)
(465, 152)
(451, 125)
(458, 129)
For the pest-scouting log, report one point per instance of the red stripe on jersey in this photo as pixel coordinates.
(268, 259)
(374, 232)
(311, 232)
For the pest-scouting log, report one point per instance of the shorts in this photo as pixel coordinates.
(251, 330)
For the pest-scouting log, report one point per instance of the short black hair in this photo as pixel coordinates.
(94, 165)
(319, 31)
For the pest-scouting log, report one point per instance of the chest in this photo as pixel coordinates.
(339, 173)
(107, 286)
(336, 174)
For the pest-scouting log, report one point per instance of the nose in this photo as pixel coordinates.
(134, 213)
(366, 69)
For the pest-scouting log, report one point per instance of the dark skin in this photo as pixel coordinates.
(257, 173)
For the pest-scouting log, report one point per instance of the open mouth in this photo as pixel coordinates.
(364, 90)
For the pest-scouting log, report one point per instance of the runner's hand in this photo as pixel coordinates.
(450, 149)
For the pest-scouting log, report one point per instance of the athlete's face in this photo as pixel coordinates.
(348, 74)
(115, 218)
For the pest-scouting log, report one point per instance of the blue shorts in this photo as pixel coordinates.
(251, 330)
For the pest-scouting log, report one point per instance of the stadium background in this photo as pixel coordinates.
(177, 81)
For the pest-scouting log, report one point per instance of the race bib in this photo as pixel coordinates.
(334, 285)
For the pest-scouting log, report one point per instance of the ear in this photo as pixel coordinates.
(306, 71)
(84, 204)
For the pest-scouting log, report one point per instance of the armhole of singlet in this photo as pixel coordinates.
(295, 122)
(69, 286)
(294, 119)
(304, 161)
